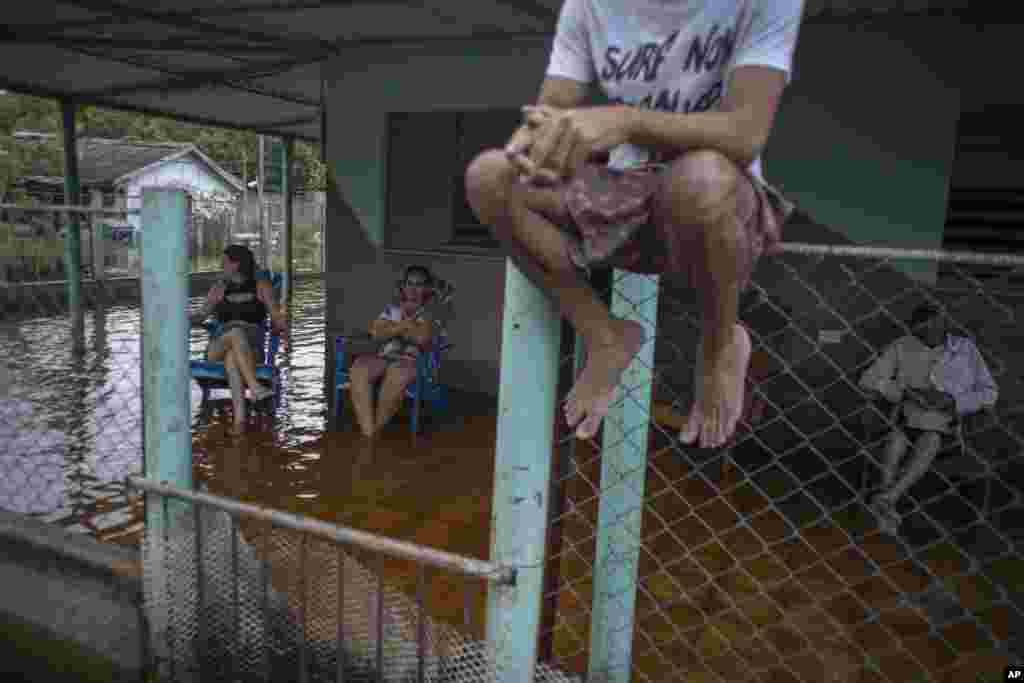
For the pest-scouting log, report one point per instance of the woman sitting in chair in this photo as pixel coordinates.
(241, 303)
(404, 328)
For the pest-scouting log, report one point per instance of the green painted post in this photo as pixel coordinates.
(73, 234)
(167, 431)
(289, 214)
(623, 476)
(531, 333)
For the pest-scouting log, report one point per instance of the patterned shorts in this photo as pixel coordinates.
(612, 214)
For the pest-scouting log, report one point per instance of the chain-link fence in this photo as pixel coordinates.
(767, 560)
(236, 592)
(70, 414)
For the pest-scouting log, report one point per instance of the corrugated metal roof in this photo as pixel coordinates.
(255, 64)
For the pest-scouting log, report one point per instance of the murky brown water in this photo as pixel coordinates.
(71, 427)
(70, 432)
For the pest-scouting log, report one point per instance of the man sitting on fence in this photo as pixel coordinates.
(696, 86)
(935, 378)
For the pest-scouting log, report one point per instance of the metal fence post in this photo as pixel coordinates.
(531, 334)
(73, 235)
(289, 215)
(623, 476)
(165, 277)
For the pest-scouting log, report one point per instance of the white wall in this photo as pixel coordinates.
(187, 172)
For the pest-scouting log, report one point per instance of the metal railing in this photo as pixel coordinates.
(240, 592)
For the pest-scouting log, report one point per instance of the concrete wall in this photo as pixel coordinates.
(864, 143)
(82, 596)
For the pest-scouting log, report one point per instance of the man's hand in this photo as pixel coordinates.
(932, 398)
(554, 143)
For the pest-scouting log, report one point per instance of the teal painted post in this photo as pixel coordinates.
(289, 215)
(531, 332)
(167, 435)
(73, 234)
(623, 476)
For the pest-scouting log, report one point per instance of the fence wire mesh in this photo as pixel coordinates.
(70, 403)
(232, 597)
(70, 414)
(765, 560)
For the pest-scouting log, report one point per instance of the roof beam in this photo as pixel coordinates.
(186, 20)
(271, 6)
(9, 34)
(533, 9)
(196, 79)
(290, 123)
(41, 91)
(244, 87)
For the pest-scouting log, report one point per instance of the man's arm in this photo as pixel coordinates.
(982, 392)
(739, 129)
(555, 92)
(881, 376)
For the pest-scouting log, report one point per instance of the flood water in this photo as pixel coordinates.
(71, 426)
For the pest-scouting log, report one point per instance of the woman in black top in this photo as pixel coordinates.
(241, 302)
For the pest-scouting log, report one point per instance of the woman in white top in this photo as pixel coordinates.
(404, 328)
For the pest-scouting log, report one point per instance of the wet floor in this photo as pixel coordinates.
(70, 432)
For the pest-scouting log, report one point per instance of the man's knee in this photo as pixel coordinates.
(699, 187)
(928, 443)
(488, 180)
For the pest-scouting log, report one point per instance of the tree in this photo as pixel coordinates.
(231, 149)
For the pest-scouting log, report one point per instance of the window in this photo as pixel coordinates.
(428, 154)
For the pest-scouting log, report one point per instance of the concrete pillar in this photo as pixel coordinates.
(531, 333)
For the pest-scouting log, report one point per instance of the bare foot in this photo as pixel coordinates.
(718, 401)
(590, 398)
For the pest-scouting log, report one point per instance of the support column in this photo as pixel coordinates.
(289, 215)
(72, 227)
(167, 435)
(623, 476)
(522, 473)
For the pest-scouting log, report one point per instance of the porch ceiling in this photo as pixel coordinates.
(255, 64)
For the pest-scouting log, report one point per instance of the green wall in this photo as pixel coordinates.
(865, 137)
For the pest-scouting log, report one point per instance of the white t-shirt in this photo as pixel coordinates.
(670, 55)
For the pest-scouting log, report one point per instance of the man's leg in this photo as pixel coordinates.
(925, 449)
(523, 219)
(392, 389)
(365, 371)
(702, 191)
(896, 448)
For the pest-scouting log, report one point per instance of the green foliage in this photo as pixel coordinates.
(235, 151)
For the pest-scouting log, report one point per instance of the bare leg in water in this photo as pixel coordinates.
(365, 372)
(236, 344)
(392, 390)
(699, 190)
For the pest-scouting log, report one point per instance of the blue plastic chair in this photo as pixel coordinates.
(427, 386)
(212, 376)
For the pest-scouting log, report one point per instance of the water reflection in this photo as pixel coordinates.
(71, 424)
